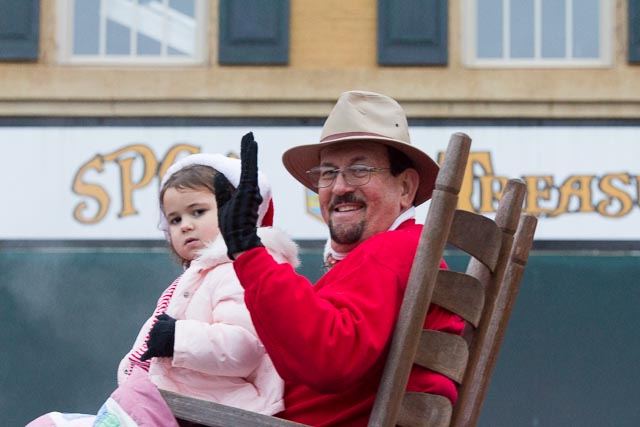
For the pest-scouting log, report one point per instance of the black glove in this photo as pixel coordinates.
(223, 189)
(238, 217)
(161, 338)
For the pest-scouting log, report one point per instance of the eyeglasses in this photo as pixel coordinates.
(355, 175)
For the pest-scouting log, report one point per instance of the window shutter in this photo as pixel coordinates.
(412, 32)
(254, 32)
(19, 28)
(634, 31)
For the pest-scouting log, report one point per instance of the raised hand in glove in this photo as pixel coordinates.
(238, 217)
(161, 338)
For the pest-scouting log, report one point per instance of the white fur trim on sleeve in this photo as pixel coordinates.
(279, 245)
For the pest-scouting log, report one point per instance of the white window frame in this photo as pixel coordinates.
(118, 9)
(469, 36)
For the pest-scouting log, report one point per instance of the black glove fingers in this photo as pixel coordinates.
(249, 171)
(238, 218)
(249, 158)
(223, 189)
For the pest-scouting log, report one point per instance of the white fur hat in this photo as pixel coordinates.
(231, 169)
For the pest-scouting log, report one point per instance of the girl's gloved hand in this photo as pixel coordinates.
(161, 338)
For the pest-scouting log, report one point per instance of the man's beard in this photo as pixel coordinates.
(346, 234)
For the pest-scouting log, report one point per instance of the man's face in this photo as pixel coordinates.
(355, 213)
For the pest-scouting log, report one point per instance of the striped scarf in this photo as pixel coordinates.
(163, 303)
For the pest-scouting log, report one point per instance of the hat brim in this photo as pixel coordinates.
(298, 160)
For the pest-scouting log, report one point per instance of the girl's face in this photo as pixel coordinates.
(192, 216)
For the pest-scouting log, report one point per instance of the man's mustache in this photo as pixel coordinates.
(344, 198)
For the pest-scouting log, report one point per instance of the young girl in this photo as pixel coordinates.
(200, 340)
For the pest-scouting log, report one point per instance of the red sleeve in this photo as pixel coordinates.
(326, 338)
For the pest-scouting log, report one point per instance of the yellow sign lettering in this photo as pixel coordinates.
(138, 167)
(491, 188)
(93, 191)
(614, 193)
(538, 188)
(128, 185)
(577, 187)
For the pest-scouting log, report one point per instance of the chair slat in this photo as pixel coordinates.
(459, 293)
(444, 353)
(478, 236)
(424, 410)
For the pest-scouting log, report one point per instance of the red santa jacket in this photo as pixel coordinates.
(330, 341)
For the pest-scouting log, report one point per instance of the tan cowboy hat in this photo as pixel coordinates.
(358, 116)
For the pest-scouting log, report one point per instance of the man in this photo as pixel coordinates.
(329, 341)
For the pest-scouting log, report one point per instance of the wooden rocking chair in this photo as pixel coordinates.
(483, 296)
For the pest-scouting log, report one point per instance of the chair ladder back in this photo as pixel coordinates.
(421, 282)
(464, 294)
(500, 295)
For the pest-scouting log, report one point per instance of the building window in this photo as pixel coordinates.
(132, 31)
(537, 33)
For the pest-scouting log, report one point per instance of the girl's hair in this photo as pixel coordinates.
(195, 177)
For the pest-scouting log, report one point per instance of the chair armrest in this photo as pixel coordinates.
(217, 415)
